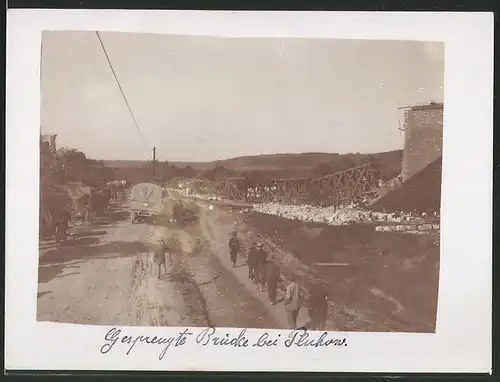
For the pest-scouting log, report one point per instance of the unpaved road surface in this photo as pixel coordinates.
(104, 275)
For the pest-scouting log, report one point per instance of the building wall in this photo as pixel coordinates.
(50, 140)
(48, 160)
(423, 138)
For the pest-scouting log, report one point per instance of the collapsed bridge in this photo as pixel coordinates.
(353, 185)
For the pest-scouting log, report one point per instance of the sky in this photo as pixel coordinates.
(208, 98)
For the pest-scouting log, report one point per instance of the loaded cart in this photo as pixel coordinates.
(146, 203)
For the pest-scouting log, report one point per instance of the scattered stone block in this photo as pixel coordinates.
(379, 228)
(425, 227)
(435, 226)
(400, 228)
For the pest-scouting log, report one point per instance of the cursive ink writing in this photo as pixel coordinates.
(214, 337)
(208, 337)
(265, 341)
(114, 336)
(300, 338)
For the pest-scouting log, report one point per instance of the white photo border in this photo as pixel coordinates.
(462, 342)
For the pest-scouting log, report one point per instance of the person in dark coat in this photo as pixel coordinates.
(272, 278)
(261, 266)
(62, 225)
(101, 202)
(318, 308)
(177, 212)
(107, 197)
(112, 192)
(252, 262)
(91, 206)
(96, 204)
(159, 257)
(234, 248)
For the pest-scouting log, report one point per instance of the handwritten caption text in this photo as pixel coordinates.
(215, 337)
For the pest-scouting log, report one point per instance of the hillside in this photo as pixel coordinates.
(297, 165)
(124, 163)
(289, 165)
(140, 164)
(276, 161)
(421, 193)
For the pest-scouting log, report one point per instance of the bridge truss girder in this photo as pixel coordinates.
(351, 185)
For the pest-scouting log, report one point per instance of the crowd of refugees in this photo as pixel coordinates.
(265, 273)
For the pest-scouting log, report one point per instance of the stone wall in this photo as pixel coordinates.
(423, 138)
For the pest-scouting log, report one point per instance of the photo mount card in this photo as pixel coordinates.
(310, 195)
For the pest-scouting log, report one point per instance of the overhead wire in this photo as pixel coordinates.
(121, 90)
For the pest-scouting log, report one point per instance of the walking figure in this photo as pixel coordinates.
(107, 197)
(93, 206)
(84, 204)
(252, 262)
(234, 248)
(100, 204)
(62, 225)
(160, 257)
(318, 308)
(260, 268)
(272, 278)
(292, 302)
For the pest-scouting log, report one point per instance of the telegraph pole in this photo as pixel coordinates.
(154, 161)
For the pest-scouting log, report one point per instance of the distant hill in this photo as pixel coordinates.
(273, 162)
(289, 165)
(313, 164)
(139, 164)
(124, 163)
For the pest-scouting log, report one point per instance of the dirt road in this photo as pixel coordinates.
(386, 281)
(104, 275)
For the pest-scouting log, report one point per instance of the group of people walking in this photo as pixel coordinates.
(265, 273)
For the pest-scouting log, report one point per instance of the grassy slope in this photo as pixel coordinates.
(404, 267)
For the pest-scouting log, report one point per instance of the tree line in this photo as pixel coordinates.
(67, 165)
(388, 166)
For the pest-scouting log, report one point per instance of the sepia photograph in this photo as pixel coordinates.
(186, 191)
(276, 183)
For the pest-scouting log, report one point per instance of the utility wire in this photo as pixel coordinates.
(121, 90)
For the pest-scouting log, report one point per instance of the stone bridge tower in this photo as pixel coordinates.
(423, 127)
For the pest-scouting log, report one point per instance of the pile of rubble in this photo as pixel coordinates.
(329, 215)
(348, 215)
(345, 215)
(192, 194)
(408, 227)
